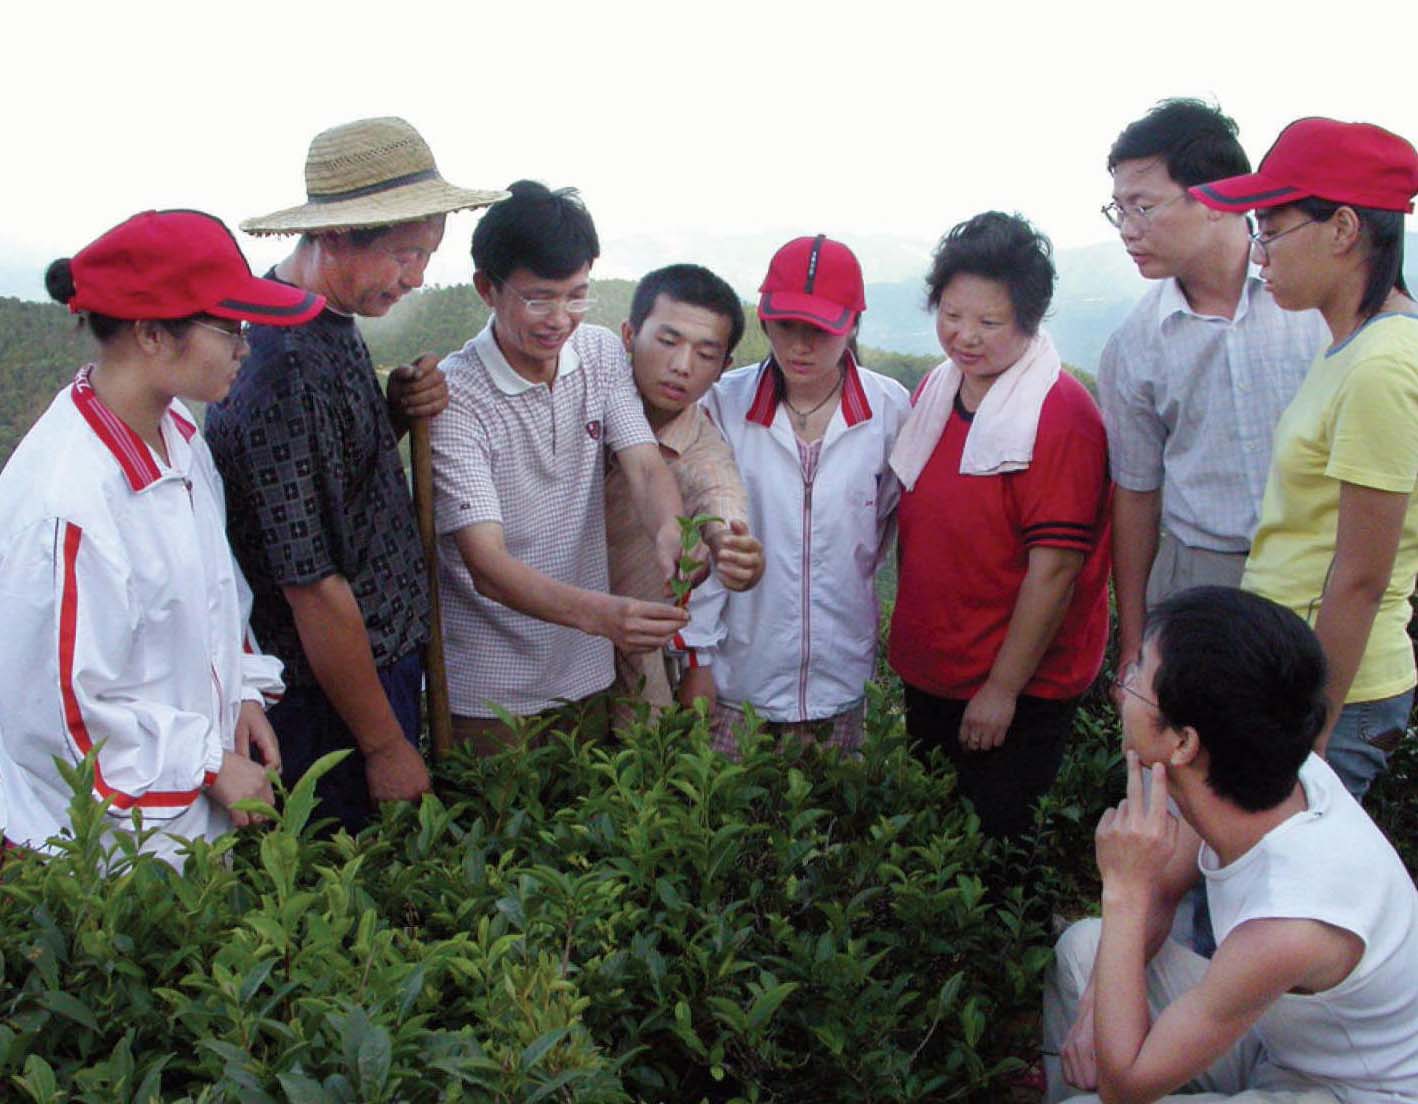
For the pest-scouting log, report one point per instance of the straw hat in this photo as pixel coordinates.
(372, 172)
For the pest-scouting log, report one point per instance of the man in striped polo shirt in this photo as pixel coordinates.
(535, 400)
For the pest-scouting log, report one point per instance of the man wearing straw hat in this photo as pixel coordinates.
(319, 508)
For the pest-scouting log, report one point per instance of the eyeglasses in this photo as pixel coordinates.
(1262, 242)
(1118, 213)
(238, 336)
(1124, 681)
(543, 307)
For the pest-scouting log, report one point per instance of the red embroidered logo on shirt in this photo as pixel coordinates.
(594, 430)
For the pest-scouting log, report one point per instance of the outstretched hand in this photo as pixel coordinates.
(635, 626)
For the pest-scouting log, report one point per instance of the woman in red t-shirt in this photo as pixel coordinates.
(1002, 609)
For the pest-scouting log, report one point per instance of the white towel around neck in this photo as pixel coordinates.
(1001, 436)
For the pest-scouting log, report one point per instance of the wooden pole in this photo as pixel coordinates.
(440, 719)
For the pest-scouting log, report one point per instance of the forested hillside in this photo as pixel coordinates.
(438, 320)
(41, 346)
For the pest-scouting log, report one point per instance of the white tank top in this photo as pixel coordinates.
(1331, 863)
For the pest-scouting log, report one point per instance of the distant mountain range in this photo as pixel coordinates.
(1097, 287)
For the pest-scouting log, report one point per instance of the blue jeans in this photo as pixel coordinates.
(1365, 735)
(308, 726)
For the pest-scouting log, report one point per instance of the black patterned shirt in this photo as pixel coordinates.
(315, 488)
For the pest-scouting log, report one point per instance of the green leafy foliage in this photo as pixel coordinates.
(570, 922)
(639, 921)
(41, 348)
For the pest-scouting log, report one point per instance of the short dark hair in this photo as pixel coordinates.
(1196, 141)
(1383, 232)
(1000, 247)
(360, 236)
(692, 284)
(547, 232)
(59, 283)
(1248, 675)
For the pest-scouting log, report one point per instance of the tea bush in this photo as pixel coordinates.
(640, 921)
(571, 922)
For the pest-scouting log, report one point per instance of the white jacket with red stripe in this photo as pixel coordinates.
(801, 645)
(125, 624)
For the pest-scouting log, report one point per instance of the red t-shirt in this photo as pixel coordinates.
(963, 551)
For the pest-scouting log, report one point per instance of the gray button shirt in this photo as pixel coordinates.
(1190, 402)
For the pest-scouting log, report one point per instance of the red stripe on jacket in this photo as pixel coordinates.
(73, 715)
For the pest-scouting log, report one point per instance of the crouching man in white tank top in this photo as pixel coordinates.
(1312, 995)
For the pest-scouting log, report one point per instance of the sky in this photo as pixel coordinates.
(679, 122)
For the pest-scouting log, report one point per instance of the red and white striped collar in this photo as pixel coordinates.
(130, 450)
(764, 408)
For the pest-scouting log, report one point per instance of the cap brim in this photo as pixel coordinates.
(407, 203)
(1238, 194)
(798, 306)
(269, 303)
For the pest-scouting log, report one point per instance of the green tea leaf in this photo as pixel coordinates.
(537, 1050)
(768, 1002)
(70, 1007)
(301, 1089)
(375, 1052)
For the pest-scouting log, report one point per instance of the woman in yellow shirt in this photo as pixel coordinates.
(1338, 539)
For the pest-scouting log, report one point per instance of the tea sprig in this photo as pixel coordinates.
(690, 536)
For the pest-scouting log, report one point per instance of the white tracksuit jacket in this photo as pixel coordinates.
(801, 645)
(125, 624)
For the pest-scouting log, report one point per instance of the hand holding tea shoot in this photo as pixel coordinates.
(689, 566)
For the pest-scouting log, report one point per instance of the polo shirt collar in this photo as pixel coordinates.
(131, 452)
(854, 406)
(680, 431)
(1171, 300)
(504, 377)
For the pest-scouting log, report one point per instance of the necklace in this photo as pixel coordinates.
(803, 415)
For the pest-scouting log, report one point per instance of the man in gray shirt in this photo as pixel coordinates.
(1192, 384)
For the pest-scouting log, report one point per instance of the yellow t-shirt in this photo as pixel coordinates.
(1354, 420)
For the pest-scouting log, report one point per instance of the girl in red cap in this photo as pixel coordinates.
(811, 431)
(1338, 535)
(127, 638)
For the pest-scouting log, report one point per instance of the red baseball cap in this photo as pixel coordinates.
(814, 280)
(1354, 163)
(172, 264)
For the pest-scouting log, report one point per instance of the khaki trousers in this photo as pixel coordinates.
(1241, 1075)
(1179, 566)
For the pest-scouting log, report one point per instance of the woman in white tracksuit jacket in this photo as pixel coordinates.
(811, 432)
(126, 635)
